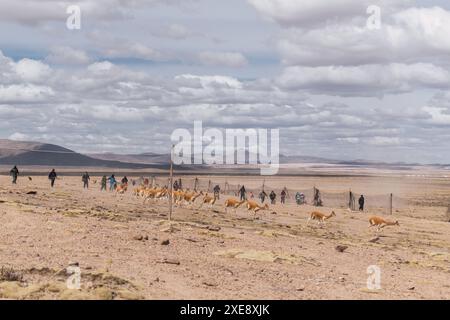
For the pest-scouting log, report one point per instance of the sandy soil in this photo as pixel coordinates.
(121, 247)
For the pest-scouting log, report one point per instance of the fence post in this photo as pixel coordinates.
(350, 196)
(390, 204)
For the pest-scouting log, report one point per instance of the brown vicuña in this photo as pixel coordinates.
(253, 206)
(233, 203)
(380, 222)
(320, 217)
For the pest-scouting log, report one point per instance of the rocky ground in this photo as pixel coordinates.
(128, 250)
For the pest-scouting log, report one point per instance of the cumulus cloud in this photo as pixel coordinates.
(307, 13)
(414, 34)
(20, 93)
(226, 59)
(34, 12)
(366, 79)
(31, 70)
(67, 56)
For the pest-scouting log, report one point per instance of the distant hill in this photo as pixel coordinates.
(146, 158)
(41, 154)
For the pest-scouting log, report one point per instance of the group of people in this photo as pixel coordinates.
(112, 182)
(14, 173)
(263, 195)
(85, 178)
(299, 197)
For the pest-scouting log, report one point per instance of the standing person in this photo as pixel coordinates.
(112, 182)
(361, 203)
(52, 177)
(242, 193)
(262, 196)
(125, 180)
(216, 191)
(85, 178)
(283, 196)
(298, 198)
(272, 197)
(104, 179)
(14, 173)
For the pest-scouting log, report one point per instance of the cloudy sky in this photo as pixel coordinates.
(137, 70)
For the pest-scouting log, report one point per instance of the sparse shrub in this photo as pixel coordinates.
(9, 274)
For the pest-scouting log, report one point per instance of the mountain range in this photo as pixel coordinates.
(43, 154)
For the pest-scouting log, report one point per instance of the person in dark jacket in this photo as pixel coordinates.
(216, 191)
(262, 196)
(283, 196)
(242, 193)
(125, 181)
(85, 178)
(272, 197)
(52, 177)
(361, 203)
(104, 180)
(14, 174)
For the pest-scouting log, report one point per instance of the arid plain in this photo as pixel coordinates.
(126, 249)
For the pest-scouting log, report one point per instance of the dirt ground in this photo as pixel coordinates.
(128, 250)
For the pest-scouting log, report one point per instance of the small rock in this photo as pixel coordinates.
(138, 238)
(213, 228)
(146, 238)
(411, 288)
(301, 289)
(209, 284)
(74, 264)
(341, 248)
(273, 212)
(373, 240)
(170, 261)
(165, 242)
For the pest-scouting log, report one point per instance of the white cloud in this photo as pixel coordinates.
(365, 80)
(20, 93)
(32, 70)
(19, 137)
(67, 56)
(226, 59)
(384, 141)
(307, 13)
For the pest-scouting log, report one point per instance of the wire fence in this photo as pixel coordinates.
(311, 196)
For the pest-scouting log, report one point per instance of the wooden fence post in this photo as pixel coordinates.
(390, 203)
